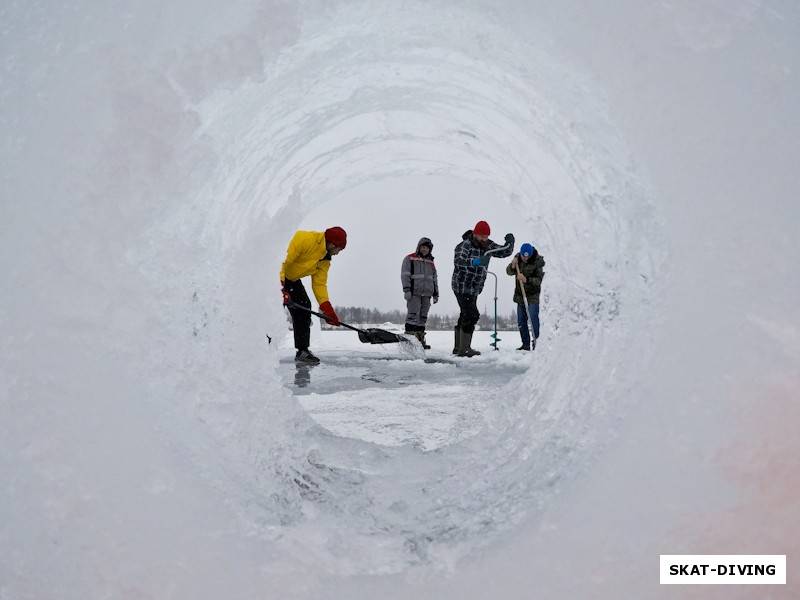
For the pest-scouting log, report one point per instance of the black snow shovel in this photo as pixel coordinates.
(368, 336)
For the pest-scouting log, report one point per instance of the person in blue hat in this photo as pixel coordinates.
(527, 268)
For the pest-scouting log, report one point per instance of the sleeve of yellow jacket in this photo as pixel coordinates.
(305, 257)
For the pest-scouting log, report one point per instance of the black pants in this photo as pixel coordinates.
(469, 312)
(301, 320)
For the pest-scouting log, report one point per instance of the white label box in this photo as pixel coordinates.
(723, 569)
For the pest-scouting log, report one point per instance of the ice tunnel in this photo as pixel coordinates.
(350, 102)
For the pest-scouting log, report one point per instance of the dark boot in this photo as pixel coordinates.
(306, 356)
(418, 331)
(421, 338)
(458, 337)
(464, 342)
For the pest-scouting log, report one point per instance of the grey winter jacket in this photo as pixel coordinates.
(534, 273)
(418, 273)
(468, 279)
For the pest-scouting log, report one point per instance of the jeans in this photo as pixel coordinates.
(522, 322)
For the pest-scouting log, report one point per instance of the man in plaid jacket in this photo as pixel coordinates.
(470, 263)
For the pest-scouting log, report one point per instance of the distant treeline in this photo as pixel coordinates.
(436, 322)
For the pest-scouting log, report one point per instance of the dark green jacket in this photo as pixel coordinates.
(534, 271)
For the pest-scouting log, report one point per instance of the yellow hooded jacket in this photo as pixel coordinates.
(306, 256)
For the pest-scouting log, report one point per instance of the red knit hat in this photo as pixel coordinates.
(481, 228)
(336, 236)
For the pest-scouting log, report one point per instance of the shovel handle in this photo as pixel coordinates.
(320, 315)
(522, 289)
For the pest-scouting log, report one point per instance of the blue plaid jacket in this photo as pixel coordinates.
(467, 279)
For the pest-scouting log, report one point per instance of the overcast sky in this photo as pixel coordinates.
(402, 210)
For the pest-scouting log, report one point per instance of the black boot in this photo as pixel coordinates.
(464, 343)
(458, 337)
(421, 337)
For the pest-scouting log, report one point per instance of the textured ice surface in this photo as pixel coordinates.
(384, 395)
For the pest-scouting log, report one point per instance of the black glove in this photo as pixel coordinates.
(510, 239)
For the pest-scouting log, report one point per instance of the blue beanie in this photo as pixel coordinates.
(526, 250)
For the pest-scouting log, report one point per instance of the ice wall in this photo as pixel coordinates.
(156, 160)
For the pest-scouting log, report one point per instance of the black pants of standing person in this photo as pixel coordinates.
(469, 314)
(301, 320)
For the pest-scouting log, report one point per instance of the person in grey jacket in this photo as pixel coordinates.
(420, 287)
(470, 263)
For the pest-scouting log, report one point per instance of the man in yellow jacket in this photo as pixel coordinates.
(309, 253)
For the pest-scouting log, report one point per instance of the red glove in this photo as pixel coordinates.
(326, 308)
(287, 299)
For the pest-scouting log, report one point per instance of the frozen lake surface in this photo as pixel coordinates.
(387, 395)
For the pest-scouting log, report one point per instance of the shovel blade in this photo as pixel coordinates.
(378, 336)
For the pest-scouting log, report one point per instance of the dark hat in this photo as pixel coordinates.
(336, 236)
(481, 228)
(526, 250)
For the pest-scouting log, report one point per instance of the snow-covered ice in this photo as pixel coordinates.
(386, 396)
